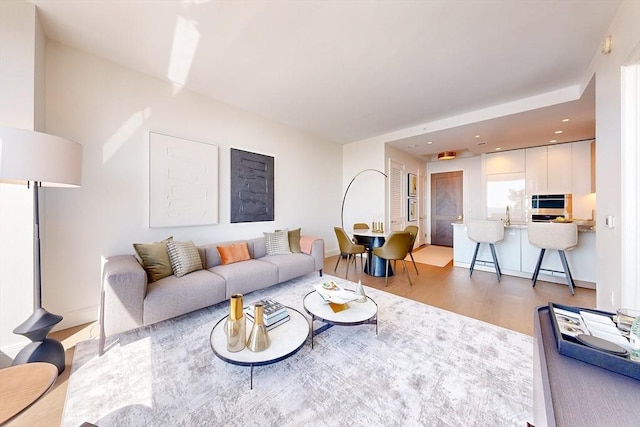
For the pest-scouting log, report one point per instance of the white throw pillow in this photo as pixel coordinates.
(184, 257)
(277, 243)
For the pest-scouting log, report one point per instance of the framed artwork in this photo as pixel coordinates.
(412, 185)
(183, 182)
(412, 210)
(252, 186)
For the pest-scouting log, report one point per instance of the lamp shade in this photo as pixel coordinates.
(26, 155)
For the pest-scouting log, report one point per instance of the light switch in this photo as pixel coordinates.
(608, 221)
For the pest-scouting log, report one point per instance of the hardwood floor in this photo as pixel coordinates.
(509, 303)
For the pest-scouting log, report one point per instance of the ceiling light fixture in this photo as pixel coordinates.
(558, 132)
(565, 120)
(429, 142)
(498, 149)
(553, 140)
(447, 155)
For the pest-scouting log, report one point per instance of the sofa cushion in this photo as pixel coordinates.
(174, 296)
(291, 266)
(247, 276)
(277, 243)
(154, 258)
(235, 252)
(184, 257)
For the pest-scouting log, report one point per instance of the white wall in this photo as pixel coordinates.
(110, 111)
(367, 194)
(20, 107)
(625, 33)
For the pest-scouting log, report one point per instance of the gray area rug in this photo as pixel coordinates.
(426, 367)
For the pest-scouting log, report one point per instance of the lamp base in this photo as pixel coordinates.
(42, 349)
(47, 350)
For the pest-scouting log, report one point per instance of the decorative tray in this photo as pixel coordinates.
(572, 347)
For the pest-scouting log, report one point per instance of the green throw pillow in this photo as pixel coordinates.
(154, 259)
(294, 240)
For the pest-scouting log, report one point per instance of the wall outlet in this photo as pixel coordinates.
(608, 221)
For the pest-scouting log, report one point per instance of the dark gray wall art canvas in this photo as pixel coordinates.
(251, 187)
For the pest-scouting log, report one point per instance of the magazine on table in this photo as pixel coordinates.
(271, 310)
(330, 291)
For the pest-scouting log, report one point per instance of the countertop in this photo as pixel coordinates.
(523, 225)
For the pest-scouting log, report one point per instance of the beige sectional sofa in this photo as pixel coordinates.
(129, 299)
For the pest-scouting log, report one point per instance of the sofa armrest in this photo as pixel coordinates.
(314, 246)
(124, 286)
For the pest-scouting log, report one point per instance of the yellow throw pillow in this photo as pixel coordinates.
(235, 252)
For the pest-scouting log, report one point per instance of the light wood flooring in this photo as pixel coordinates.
(509, 303)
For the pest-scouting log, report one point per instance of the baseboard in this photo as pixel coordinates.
(78, 317)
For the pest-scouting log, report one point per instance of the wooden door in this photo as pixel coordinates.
(446, 206)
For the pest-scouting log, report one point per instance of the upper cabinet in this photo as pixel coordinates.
(582, 174)
(548, 169)
(505, 162)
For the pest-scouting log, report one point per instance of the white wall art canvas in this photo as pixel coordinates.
(183, 182)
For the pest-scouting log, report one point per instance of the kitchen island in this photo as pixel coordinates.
(517, 257)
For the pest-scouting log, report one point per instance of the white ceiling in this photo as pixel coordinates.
(353, 70)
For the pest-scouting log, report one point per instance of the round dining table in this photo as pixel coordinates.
(374, 266)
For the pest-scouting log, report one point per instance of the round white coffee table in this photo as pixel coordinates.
(358, 313)
(286, 339)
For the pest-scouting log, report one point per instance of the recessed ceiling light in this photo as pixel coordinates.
(429, 142)
(412, 146)
(558, 132)
(498, 149)
(553, 140)
(565, 120)
(477, 136)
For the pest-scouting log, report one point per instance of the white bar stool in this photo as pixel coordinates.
(485, 231)
(555, 236)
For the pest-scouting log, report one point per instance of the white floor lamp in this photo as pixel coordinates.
(39, 159)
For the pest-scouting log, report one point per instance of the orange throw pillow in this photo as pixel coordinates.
(234, 253)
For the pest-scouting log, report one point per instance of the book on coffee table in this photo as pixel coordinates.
(273, 312)
(331, 292)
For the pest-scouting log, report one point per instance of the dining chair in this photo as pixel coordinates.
(396, 247)
(413, 229)
(360, 226)
(348, 248)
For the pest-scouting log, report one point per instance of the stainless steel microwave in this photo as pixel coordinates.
(546, 207)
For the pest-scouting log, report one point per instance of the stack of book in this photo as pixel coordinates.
(274, 313)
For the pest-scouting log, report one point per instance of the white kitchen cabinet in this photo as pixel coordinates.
(536, 170)
(559, 169)
(548, 169)
(504, 162)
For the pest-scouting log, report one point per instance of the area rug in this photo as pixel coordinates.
(425, 367)
(439, 256)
